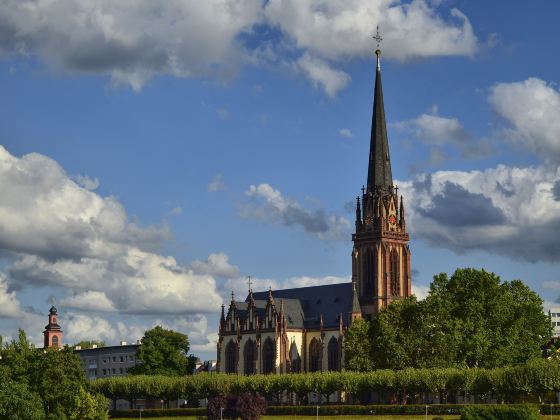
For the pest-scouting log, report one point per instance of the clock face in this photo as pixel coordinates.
(392, 219)
(368, 220)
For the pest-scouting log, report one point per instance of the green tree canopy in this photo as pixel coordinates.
(43, 383)
(88, 344)
(470, 319)
(164, 352)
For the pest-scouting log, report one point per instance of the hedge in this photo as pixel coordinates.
(500, 412)
(525, 383)
(335, 410)
(170, 412)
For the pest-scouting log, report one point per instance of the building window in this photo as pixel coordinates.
(231, 357)
(394, 264)
(314, 356)
(114, 372)
(295, 360)
(122, 359)
(55, 341)
(370, 268)
(121, 371)
(114, 359)
(268, 356)
(104, 371)
(249, 357)
(333, 354)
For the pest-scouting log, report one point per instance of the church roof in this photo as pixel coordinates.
(305, 305)
(379, 169)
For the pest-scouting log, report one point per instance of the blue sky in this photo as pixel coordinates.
(155, 154)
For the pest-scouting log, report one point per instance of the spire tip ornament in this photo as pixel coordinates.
(378, 39)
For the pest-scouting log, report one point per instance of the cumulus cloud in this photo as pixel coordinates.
(503, 210)
(322, 75)
(435, 130)
(78, 327)
(270, 205)
(132, 41)
(9, 304)
(129, 40)
(216, 265)
(57, 233)
(531, 109)
(420, 291)
(89, 301)
(217, 183)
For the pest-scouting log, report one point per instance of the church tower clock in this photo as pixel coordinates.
(381, 255)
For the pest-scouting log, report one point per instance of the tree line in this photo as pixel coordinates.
(538, 379)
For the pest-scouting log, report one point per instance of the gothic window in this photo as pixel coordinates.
(369, 272)
(314, 356)
(268, 354)
(333, 354)
(295, 360)
(249, 357)
(231, 357)
(55, 341)
(394, 263)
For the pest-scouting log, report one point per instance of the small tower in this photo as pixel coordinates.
(53, 333)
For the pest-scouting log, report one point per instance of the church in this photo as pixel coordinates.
(302, 329)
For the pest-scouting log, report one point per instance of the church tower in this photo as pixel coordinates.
(53, 332)
(381, 255)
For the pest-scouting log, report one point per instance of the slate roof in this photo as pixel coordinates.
(304, 305)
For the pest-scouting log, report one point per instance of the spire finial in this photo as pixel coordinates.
(249, 282)
(378, 39)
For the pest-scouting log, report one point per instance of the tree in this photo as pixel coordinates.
(358, 346)
(470, 319)
(164, 352)
(88, 344)
(43, 383)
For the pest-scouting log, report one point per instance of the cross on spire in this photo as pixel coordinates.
(378, 37)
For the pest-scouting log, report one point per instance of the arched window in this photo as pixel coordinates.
(369, 272)
(395, 289)
(333, 354)
(314, 356)
(295, 360)
(249, 357)
(231, 357)
(55, 341)
(268, 356)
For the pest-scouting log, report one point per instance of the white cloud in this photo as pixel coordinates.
(85, 327)
(216, 265)
(341, 29)
(503, 210)
(89, 301)
(322, 75)
(129, 40)
(421, 292)
(272, 206)
(176, 211)
(345, 132)
(531, 108)
(436, 130)
(217, 183)
(56, 232)
(9, 304)
(307, 281)
(132, 41)
(86, 182)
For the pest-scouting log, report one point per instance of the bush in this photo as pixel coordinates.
(156, 412)
(500, 412)
(247, 406)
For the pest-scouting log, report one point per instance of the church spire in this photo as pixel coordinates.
(379, 170)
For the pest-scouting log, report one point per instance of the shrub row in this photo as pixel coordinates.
(526, 382)
(500, 412)
(469, 412)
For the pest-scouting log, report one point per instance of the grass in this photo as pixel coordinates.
(422, 417)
